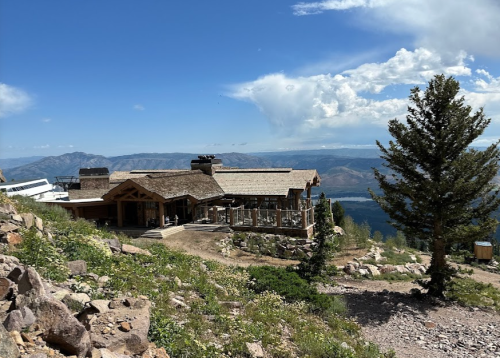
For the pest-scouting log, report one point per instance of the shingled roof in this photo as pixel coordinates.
(269, 182)
(118, 177)
(175, 184)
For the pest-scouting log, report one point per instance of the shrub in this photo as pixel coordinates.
(292, 287)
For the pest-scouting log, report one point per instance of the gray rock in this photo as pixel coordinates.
(8, 348)
(30, 281)
(8, 227)
(14, 321)
(77, 267)
(28, 219)
(16, 274)
(255, 349)
(7, 209)
(39, 223)
(102, 306)
(76, 301)
(60, 327)
(6, 288)
(114, 244)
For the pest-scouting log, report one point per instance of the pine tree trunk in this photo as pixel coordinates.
(438, 268)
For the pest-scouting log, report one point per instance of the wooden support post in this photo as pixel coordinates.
(297, 199)
(231, 216)
(254, 217)
(214, 213)
(311, 215)
(205, 212)
(278, 217)
(162, 214)
(119, 212)
(304, 219)
(308, 197)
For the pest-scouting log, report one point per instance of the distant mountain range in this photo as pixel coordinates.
(340, 169)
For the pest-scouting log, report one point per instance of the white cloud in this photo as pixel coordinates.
(46, 120)
(44, 146)
(447, 26)
(13, 100)
(305, 104)
(139, 107)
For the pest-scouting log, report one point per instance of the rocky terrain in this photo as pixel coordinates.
(43, 319)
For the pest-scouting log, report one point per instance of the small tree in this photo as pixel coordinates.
(338, 213)
(439, 189)
(323, 229)
(377, 236)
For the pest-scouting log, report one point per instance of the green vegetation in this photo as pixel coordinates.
(338, 214)
(287, 315)
(441, 190)
(468, 292)
(316, 265)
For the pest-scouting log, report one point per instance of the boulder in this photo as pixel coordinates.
(16, 274)
(114, 244)
(8, 227)
(39, 223)
(8, 347)
(101, 306)
(7, 208)
(28, 219)
(255, 349)
(13, 238)
(373, 270)
(77, 267)
(133, 250)
(59, 327)
(6, 288)
(14, 321)
(30, 281)
(76, 301)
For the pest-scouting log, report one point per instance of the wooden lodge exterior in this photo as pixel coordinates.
(147, 197)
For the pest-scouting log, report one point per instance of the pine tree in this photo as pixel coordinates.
(323, 229)
(439, 188)
(338, 214)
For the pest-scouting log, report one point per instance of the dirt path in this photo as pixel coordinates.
(205, 245)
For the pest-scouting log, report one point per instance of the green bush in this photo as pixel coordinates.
(469, 292)
(292, 287)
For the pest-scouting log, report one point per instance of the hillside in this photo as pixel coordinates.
(107, 298)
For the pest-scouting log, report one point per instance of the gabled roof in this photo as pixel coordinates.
(172, 185)
(268, 181)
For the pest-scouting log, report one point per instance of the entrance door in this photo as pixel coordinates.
(130, 213)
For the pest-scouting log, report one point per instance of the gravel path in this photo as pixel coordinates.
(416, 328)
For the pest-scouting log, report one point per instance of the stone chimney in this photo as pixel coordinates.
(208, 164)
(94, 178)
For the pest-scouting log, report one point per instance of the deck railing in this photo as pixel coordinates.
(299, 219)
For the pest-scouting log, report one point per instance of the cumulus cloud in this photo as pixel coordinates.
(447, 26)
(139, 107)
(351, 98)
(13, 100)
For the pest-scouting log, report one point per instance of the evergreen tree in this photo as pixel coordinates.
(338, 214)
(323, 229)
(440, 188)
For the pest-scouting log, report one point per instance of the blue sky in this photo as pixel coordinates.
(121, 77)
